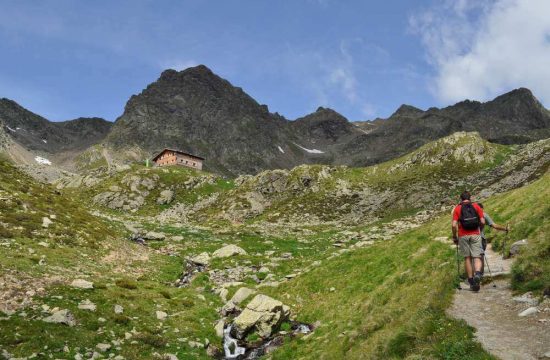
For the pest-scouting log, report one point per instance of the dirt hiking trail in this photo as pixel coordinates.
(494, 313)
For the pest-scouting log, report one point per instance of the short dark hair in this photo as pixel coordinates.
(465, 195)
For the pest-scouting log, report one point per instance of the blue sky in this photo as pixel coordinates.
(65, 59)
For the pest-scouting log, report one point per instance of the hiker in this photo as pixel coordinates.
(467, 220)
(488, 222)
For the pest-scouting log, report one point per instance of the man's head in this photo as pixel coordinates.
(465, 196)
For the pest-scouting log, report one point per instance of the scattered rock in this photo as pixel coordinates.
(169, 357)
(515, 248)
(529, 311)
(119, 309)
(263, 314)
(166, 197)
(161, 315)
(151, 235)
(223, 294)
(82, 284)
(61, 317)
(87, 305)
(241, 295)
(219, 328)
(103, 347)
(201, 259)
(195, 344)
(228, 251)
(526, 298)
(46, 222)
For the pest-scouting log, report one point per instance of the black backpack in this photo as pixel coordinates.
(469, 219)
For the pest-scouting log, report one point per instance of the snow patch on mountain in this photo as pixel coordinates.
(311, 151)
(281, 149)
(42, 160)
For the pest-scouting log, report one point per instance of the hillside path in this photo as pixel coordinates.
(495, 315)
(107, 157)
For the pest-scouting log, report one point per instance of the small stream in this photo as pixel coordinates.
(190, 270)
(232, 349)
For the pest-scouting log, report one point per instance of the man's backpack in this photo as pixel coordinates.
(469, 219)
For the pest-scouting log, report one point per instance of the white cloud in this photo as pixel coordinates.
(480, 49)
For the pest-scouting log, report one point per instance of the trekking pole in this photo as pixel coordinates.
(504, 243)
(458, 268)
(489, 268)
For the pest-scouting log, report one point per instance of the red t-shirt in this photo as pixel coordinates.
(456, 217)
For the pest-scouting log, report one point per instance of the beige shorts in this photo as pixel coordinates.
(470, 245)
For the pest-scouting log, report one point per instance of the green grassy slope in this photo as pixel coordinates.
(389, 300)
(527, 210)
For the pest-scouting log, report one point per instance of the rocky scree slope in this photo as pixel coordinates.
(429, 177)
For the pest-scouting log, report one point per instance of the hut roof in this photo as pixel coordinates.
(177, 151)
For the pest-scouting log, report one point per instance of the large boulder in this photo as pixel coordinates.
(228, 251)
(263, 315)
(201, 259)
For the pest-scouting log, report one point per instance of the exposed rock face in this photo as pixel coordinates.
(263, 315)
(197, 111)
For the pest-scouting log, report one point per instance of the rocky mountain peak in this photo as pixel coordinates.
(323, 124)
(407, 110)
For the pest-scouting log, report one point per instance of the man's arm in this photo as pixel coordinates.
(494, 225)
(454, 228)
(500, 227)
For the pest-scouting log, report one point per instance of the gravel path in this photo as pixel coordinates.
(495, 315)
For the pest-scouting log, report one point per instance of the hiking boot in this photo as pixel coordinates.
(476, 281)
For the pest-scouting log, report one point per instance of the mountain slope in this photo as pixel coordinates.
(38, 134)
(513, 118)
(361, 254)
(197, 111)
